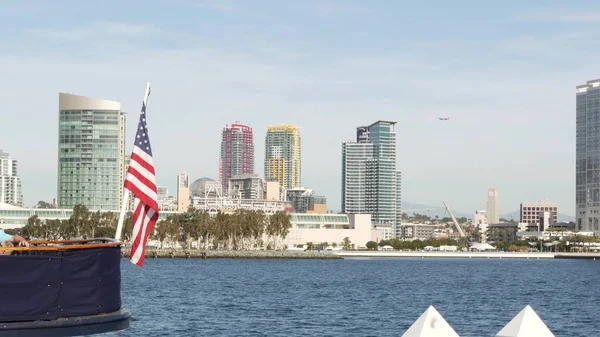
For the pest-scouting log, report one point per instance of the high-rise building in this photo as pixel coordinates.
(398, 229)
(531, 211)
(492, 209)
(237, 153)
(587, 157)
(91, 152)
(183, 192)
(10, 182)
(369, 177)
(282, 155)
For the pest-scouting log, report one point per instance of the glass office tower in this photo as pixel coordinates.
(91, 152)
(369, 177)
(587, 156)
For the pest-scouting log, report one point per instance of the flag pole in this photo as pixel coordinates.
(125, 190)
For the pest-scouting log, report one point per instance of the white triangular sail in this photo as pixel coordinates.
(526, 324)
(430, 324)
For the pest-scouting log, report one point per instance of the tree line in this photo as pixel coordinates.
(242, 229)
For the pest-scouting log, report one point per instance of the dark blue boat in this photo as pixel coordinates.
(62, 288)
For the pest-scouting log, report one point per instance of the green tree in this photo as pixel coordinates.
(372, 245)
(42, 205)
(346, 243)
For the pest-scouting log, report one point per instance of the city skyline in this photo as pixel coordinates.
(514, 77)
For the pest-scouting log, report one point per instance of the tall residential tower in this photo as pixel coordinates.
(370, 180)
(91, 152)
(282, 155)
(10, 183)
(587, 157)
(237, 153)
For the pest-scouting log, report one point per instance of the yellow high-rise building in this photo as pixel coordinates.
(282, 155)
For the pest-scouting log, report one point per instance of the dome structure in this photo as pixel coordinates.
(205, 188)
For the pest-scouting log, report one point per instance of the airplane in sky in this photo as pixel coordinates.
(444, 118)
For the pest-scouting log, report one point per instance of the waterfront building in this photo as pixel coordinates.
(532, 211)
(332, 228)
(370, 180)
(503, 232)
(183, 192)
(282, 155)
(247, 186)
(480, 222)
(166, 202)
(304, 200)
(417, 231)
(230, 205)
(16, 217)
(492, 208)
(206, 195)
(10, 182)
(587, 156)
(237, 153)
(91, 152)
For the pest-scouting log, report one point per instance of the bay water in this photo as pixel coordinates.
(355, 297)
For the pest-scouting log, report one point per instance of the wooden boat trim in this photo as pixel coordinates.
(63, 245)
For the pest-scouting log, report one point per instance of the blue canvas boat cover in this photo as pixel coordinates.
(49, 285)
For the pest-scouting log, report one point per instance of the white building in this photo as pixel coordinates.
(332, 228)
(10, 183)
(419, 231)
(225, 204)
(480, 222)
(166, 202)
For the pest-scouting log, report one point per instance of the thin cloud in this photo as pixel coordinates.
(214, 5)
(561, 15)
(96, 30)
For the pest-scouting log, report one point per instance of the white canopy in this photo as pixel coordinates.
(526, 324)
(482, 246)
(430, 324)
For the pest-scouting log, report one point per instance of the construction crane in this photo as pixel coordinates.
(460, 231)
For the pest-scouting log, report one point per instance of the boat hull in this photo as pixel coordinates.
(68, 326)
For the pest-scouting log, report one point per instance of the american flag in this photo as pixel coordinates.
(141, 181)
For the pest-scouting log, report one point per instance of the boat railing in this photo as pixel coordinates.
(54, 279)
(62, 245)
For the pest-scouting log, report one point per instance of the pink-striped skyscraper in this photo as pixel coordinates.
(237, 153)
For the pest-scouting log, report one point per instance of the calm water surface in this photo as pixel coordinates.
(341, 298)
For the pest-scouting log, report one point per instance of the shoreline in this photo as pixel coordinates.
(315, 255)
(236, 254)
(470, 255)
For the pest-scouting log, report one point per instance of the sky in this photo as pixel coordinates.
(505, 72)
